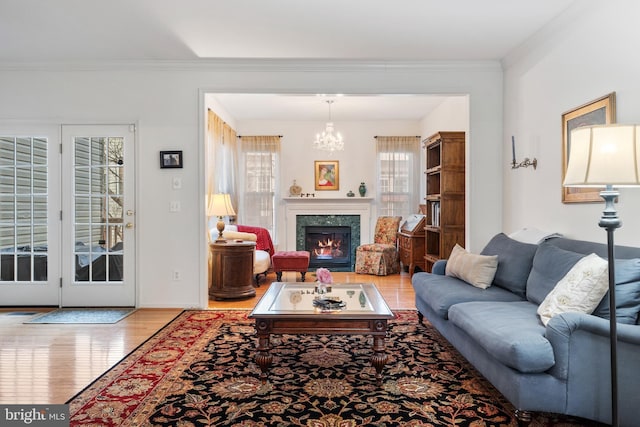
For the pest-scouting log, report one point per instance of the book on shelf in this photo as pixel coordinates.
(435, 214)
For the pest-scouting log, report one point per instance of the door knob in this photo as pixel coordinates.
(129, 225)
(130, 212)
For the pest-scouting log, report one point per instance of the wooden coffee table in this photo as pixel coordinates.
(287, 308)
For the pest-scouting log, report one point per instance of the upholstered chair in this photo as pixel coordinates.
(380, 257)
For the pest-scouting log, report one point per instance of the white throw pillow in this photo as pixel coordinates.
(580, 290)
(477, 270)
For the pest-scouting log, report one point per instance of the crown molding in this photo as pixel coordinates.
(252, 65)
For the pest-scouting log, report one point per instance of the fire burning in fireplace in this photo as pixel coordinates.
(328, 249)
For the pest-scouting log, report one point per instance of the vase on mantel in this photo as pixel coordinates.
(362, 189)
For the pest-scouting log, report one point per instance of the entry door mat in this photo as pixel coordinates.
(83, 315)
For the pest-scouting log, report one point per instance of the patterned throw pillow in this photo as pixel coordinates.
(477, 270)
(580, 290)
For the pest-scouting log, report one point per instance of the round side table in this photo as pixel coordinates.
(232, 270)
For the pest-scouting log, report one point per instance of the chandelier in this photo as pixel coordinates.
(328, 140)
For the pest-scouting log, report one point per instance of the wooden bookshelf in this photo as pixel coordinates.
(445, 198)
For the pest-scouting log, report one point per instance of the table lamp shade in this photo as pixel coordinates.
(604, 155)
(220, 205)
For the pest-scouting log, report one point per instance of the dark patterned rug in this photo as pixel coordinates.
(199, 371)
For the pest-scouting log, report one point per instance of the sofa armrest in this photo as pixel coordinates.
(439, 267)
(575, 334)
(581, 347)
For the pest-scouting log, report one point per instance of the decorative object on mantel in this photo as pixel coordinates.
(295, 189)
(328, 141)
(220, 206)
(523, 164)
(362, 189)
(350, 194)
(606, 155)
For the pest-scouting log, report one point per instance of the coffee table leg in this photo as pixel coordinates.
(263, 356)
(379, 357)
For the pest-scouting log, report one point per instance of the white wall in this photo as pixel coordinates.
(167, 101)
(588, 52)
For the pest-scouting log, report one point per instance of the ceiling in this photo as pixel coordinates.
(377, 30)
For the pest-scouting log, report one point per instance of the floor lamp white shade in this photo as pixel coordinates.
(606, 155)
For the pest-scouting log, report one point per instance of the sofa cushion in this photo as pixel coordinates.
(441, 292)
(579, 291)
(550, 264)
(627, 292)
(509, 331)
(477, 270)
(514, 262)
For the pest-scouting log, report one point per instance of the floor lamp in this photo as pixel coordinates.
(607, 155)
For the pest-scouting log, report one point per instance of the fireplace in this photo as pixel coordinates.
(328, 246)
(345, 228)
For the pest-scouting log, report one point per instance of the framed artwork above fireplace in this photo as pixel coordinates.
(327, 175)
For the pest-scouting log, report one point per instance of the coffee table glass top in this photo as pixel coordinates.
(342, 298)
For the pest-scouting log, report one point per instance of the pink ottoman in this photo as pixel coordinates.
(290, 261)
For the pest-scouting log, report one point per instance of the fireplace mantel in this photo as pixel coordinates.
(326, 206)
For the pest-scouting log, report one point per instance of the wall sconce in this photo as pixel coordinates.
(523, 164)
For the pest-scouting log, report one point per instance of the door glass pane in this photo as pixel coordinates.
(7, 152)
(82, 180)
(24, 207)
(98, 218)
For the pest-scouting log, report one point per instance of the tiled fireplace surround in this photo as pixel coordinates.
(305, 211)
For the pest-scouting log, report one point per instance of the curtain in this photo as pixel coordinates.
(259, 167)
(398, 171)
(221, 159)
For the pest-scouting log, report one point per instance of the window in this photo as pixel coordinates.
(259, 174)
(398, 169)
(23, 209)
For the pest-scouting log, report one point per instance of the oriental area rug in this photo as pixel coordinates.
(199, 370)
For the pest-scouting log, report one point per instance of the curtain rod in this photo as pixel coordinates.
(416, 136)
(279, 136)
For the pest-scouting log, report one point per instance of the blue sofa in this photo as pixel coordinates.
(562, 368)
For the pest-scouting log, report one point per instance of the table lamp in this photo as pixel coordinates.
(600, 156)
(220, 205)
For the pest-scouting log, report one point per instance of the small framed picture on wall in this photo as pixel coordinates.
(170, 159)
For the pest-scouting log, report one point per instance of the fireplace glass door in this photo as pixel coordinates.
(329, 246)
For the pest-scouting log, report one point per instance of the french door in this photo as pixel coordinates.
(98, 215)
(67, 220)
(29, 215)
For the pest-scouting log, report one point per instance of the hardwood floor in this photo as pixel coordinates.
(48, 363)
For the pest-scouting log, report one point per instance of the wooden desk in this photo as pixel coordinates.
(411, 244)
(232, 270)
